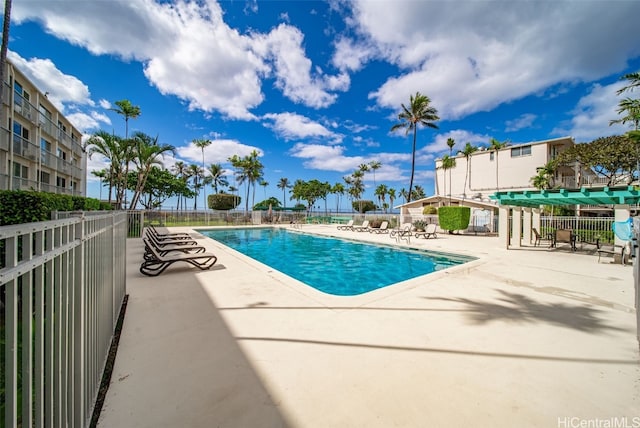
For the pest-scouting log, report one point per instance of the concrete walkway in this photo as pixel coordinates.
(531, 337)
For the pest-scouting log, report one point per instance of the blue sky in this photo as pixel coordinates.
(315, 86)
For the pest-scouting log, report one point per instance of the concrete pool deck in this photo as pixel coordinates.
(529, 337)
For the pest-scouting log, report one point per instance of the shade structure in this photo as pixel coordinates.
(620, 195)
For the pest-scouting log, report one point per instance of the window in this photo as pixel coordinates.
(45, 145)
(45, 177)
(20, 170)
(61, 154)
(20, 130)
(491, 156)
(520, 151)
(61, 182)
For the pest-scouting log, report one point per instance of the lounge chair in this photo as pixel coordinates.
(384, 228)
(404, 233)
(160, 242)
(429, 232)
(364, 227)
(163, 250)
(169, 235)
(348, 226)
(156, 263)
(623, 251)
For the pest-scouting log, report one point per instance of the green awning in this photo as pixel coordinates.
(626, 195)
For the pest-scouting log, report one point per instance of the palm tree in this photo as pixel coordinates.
(363, 168)
(181, 172)
(450, 143)
(381, 192)
(392, 197)
(374, 166)
(418, 112)
(195, 172)
(217, 176)
(447, 164)
(404, 194)
(202, 143)
(108, 146)
(357, 186)
(264, 184)
(494, 147)
(284, 185)
(634, 82)
(147, 153)
(101, 175)
(338, 190)
(467, 152)
(418, 192)
(631, 108)
(248, 171)
(129, 111)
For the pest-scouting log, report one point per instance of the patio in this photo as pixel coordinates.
(529, 337)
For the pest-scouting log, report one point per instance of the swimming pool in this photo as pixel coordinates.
(333, 266)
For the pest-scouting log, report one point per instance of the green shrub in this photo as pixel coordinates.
(429, 210)
(454, 218)
(365, 205)
(419, 225)
(223, 201)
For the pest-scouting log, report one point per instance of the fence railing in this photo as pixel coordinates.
(587, 229)
(62, 284)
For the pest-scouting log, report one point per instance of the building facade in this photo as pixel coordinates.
(39, 148)
(509, 169)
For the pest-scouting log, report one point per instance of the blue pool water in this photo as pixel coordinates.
(334, 266)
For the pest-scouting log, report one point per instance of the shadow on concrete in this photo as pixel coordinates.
(178, 365)
(520, 309)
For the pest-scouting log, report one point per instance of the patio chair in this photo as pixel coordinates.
(348, 226)
(565, 236)
(614, 250)
(364, 227)
(429, 232)
(539, 238)
(384, 228)
(156, 263)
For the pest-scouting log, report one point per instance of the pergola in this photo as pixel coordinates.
(527, 203)
(625, 195)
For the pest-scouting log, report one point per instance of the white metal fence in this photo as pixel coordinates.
(62, 284)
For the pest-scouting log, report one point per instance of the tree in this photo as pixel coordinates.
(110, 147)
(634, 82)
(374, 166)
(467, 152)
(197, 174)
(494, 147)
(217, 176)
(451, 143)
(611, 157)
(181, 171)
(310, 191)
(264, 184)
(418, 112)
(147, 154)
(201, 143)
(630, 108)
(129, 111)
(392, 197)
(418, 193)
(447, 164)
(284, 185)
(160, 185)
(248, 171)
(544, 178)
(338, 190)
(381, 192)
(101, 175)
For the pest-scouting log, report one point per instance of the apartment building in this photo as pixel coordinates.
(39, 148)
(510, 168)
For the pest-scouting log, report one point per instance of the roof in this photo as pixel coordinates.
(624, 195)
(438, 198)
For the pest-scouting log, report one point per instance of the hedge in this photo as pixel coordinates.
(454, 218)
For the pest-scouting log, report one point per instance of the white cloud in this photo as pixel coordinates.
(291, 126)
(523, 121)
(592, 115)
(219, 151)
(61, 89)
(187, 50)
(474, 57)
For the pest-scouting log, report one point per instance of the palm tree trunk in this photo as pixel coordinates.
(413, 162)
